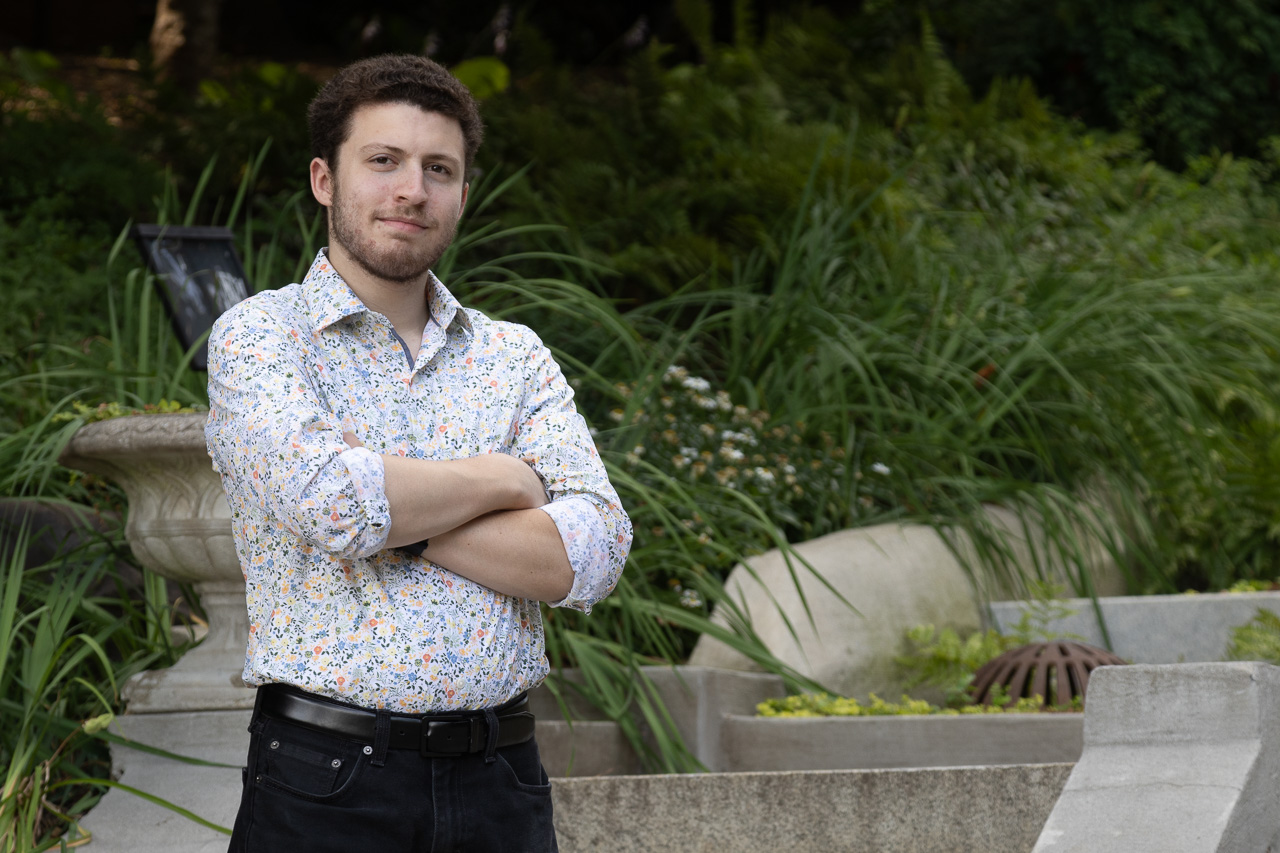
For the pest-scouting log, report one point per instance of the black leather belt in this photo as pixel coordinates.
(434, 735)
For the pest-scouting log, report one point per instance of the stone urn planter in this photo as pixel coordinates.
(180, 527)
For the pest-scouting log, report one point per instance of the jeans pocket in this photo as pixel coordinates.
(524, 766)
(307, 764)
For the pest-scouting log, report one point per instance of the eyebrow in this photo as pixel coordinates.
(400, 152)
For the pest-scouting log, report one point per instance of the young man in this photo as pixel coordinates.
(407, 479)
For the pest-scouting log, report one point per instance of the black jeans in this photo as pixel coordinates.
(311, 791)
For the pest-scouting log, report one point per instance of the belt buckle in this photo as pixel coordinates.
(445, 738)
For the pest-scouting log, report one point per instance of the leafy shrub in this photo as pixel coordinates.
(942, 659)
(1258, 639)
(966, 294)
(697, 164)
(106, 411)
(228, 123)
(1253, 585)
(71, 634)
(686, 431)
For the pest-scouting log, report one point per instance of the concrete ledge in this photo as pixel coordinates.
(1177, 757)
(1155, 628)
(840, 743)
(585, 748)
(697, 697)
(987, 809)
(954, 810)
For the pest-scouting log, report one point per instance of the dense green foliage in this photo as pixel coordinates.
(980, 297)
(1190, 78)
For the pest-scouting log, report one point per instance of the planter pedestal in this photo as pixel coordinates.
(208, 676)
(179, 527)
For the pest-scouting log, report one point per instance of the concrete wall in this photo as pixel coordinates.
(1155, 628)
(895, 576)
(956, 810)
(1179, 758)
(839, 743)
(697, 698)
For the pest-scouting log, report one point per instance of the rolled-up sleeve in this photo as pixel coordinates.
(553, 438)
(278, 448)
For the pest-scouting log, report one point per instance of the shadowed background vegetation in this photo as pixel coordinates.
(805, 270)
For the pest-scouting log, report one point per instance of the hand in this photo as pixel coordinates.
(527, 490)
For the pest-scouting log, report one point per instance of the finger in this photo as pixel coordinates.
(351, 440)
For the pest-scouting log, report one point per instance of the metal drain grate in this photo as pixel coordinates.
(1056, 671)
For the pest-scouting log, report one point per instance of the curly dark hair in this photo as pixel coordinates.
(390, 79)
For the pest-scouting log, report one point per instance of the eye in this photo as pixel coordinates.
(381, 160)
(438, 169)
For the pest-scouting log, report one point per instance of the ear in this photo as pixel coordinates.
(322, 182)
(463, 204)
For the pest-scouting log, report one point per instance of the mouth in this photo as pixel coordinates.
(406, 225)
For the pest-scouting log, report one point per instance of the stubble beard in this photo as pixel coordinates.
(402, 262)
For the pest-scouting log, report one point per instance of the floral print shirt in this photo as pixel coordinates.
(331, 610)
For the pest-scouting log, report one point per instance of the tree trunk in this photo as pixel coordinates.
(184, 40)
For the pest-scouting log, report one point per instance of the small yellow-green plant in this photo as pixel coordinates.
(1252, 585)
(825, 705)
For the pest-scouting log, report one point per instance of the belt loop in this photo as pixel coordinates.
(256, 722)
(491, 740)
(381, 737)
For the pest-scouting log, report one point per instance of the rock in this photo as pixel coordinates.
(895, 576)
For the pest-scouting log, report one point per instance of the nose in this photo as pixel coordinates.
(412, 187)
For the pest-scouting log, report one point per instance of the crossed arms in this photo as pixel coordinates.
(481, 515)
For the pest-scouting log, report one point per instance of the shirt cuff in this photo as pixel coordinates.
(369, 482)
(582, 529)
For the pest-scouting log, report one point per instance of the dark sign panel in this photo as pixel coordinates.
(199, 276)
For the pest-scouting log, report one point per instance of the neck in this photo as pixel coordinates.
(404, 303)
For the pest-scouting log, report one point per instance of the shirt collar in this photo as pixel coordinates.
(330, 298)
(444, 308)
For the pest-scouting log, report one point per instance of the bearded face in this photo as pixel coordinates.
(402, 255)
(395, 191)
